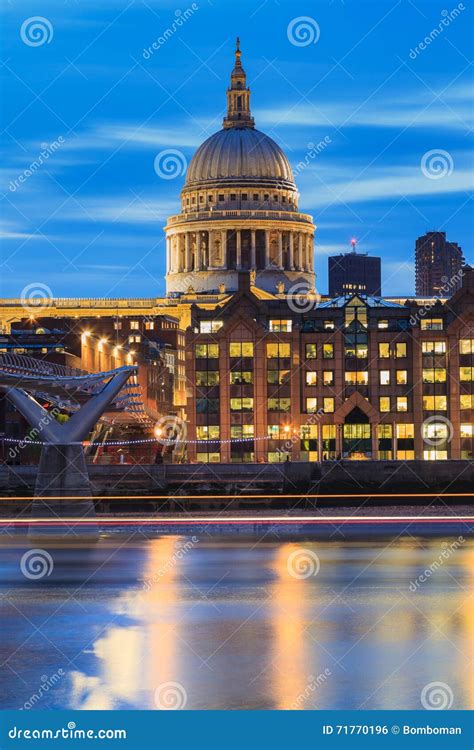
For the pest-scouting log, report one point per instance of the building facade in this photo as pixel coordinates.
(438, 265)
(354, 273)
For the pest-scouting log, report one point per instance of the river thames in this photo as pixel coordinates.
(146, 621)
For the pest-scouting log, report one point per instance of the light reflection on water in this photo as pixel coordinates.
(227, 621)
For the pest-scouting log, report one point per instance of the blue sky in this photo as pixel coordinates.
(396, 121)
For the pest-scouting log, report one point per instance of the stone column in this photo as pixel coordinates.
(187, 239)
(300, 251)
(168, 254)
(267, 248)
(238, 246)
(292, 264)
(224, 247)
(253, 249)
(280, 250)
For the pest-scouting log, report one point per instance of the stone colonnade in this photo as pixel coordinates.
(240, 249)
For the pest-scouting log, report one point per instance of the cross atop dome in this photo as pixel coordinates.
(238, 96)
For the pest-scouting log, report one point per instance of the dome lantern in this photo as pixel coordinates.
(238, 97)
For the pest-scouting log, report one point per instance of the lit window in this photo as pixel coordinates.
(467, 430)
(466, 346)
(434, 375)
(431, 324)
(207, 432)
(134, 339)
(242, 431)
(134, 325)
(402, 403)
(311, 378)
(210, 326)
(328, 325)
(210, 351)
(278, 377)
(402, 377)
(328, 405)
(118, 325)
(435, 403)
(280, 326)
(149, 325)
(435, 455)
(279, 404)
(311, 405)
(328, 377)
(382, 324)
(328, 351)
(433, 347)
(466, 401)
(207, 377)
(384, 377)
(208, 458)
(405, 431)
(275, 351)
(384, 403)
(241, 377)
(311, 351)
(435, 430)
(384, 431)
(466, 374)
(356, 378)
(241, 349)
(400, 349)
(241, 404)
(384, 350)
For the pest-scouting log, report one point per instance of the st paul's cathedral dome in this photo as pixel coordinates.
(239, 210)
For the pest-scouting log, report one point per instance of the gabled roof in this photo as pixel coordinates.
(370, 301)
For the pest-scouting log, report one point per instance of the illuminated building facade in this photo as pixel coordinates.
(265, 369)
(437, 265)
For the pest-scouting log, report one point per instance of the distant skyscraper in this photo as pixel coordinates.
(438, 263)
(354, 272)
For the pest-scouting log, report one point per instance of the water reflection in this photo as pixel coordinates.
(229, 622)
